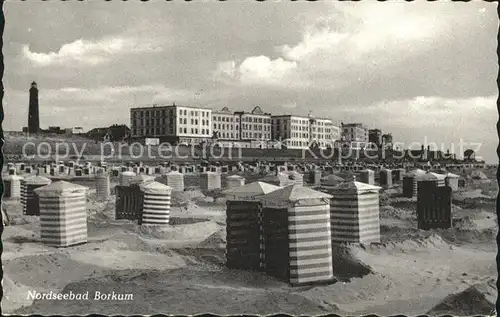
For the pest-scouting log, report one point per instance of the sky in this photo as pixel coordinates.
(425, 72)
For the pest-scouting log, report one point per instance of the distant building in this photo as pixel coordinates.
(291, 130)
(74, 130)
(336, 133)
(174, 124)
(226, 125)
(355, 134)
(323, 132)
(56, 130)
(375, 137)
(33, 111)
(255, 125)
(300, 132)
(114, 133)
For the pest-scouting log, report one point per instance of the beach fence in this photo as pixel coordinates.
(297, 235)
(63, 214)
(155, 209)
(433, 206)
(29, 200)
(244, 227)
(355, 213)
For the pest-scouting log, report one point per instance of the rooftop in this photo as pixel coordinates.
(353, 185)
(293, 193)
(251, 190)
(155, 188)
(37, 180)
(60, 188)
(159, 106)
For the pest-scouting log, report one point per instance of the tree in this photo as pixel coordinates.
(469, 154)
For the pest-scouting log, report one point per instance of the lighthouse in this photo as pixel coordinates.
(33, 116)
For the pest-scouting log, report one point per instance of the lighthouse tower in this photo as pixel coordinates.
(33, 116)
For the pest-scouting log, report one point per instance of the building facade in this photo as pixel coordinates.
(299, 132)
(175, 124)
(323, 132)
(74, 130)
(375, 137)
(355, 134)
(255, 125)
(226, 125)
(254, 129)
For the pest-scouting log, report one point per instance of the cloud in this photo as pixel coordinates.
(312, 42)
(255, 70)
(384, 50)
(258, 69)
(86, 52)
(225, 71)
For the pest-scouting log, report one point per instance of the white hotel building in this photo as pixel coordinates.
(226, 125)
(255, 129)
(299, 132)
(176, 124)
(355, 135)
(243, 129)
